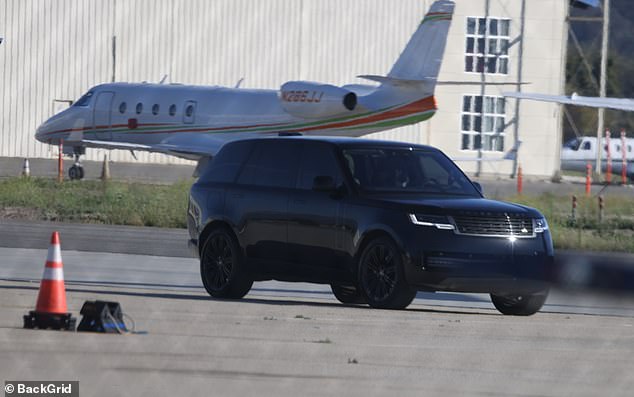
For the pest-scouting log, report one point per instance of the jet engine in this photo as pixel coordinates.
(314, 100)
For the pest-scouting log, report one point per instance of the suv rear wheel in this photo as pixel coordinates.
(348, 294)
(222, 268)
(519, 305)
(381, 277)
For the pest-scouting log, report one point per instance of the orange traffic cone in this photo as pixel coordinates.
(50, 309)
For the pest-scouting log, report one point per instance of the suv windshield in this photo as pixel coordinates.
(406, 170)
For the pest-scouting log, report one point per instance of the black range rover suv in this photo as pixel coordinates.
(378, 221)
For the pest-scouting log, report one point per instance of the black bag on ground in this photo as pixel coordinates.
(102, 316)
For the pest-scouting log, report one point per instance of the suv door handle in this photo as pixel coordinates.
(237, 195)
(299, 201)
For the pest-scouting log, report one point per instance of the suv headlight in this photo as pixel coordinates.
(437, 221)
(541, 225)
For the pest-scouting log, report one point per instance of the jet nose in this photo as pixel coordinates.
(41, 132)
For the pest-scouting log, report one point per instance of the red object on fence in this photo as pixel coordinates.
(588, 178)
(519, 179)
(608, 173)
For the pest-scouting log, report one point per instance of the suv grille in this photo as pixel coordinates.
(505, 225)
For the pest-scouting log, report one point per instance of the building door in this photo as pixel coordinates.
(102, 116)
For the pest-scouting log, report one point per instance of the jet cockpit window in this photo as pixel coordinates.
(139, 108)
(155, 109)
(84, 100)
(122, 107)
(573, 144)
(172, 110)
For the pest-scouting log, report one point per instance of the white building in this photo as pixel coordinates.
(54, 50)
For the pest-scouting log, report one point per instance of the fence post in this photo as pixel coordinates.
(601, 206)
(60, 162)
(623, 158)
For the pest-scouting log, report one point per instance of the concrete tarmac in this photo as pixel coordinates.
(289, 339)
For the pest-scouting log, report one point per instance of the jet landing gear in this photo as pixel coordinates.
(76, 171)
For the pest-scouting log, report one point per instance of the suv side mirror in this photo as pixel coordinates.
(479, 187)
(324, 183)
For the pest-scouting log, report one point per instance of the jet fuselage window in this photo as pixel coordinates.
(586, 146)
(172, 110)
(189, 111)
(139, 108)
(84, 100)
(122, 107)
(155, 109)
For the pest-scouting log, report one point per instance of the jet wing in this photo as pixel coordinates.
(578, 100)
(188, 146)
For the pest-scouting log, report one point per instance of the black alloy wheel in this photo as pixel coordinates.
(381, 276)
(518, 304)
(348, 294)
(221, 267)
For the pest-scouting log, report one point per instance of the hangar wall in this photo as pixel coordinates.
(54, 50)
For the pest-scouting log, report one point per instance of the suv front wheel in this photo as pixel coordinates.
(222, 268)
(519, 305)
(381, 276)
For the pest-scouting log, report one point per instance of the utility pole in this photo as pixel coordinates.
(602, 81)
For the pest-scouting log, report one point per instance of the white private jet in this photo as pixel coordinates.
(193, 122)
(577, 153)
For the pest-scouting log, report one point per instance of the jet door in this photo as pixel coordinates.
(102, 115)
(189, 112)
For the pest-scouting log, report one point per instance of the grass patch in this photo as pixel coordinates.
(108, 202)
(586, 232)
(127, 203)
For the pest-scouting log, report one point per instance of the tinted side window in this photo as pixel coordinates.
(225, 166)
(317, 159)
(272, 163)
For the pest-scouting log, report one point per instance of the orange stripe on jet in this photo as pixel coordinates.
(421, 105)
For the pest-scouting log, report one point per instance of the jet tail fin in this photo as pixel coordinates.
(422, 57)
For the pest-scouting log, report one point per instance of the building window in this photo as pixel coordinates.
(483, 119)
(487, 47)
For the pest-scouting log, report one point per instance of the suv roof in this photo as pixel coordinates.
(344, 141)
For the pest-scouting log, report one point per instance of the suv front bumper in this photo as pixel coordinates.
(450, 262)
